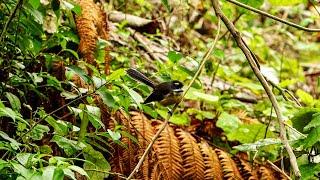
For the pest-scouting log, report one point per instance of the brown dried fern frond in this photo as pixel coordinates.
(87, 29)
(144, 136)
(158, 173)
(229, 167)
(212, 165)
(168, 154)
(92, 24)
(193, 164)
(247, 170)
(266, 173)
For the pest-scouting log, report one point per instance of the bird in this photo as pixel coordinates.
(166, 93)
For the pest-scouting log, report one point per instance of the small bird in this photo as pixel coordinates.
(166, 93)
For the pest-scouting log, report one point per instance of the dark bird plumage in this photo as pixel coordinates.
(166, 93)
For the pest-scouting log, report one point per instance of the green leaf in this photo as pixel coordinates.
(174, 56)
(14, 144)
(166, 4)
(178, 119)
(134, 95)
(107, 97)
(60, 127)
(58, 174)
(70, 147)
(24, 158)
(285, 3)
(114, 135)
(305, 97)
(80, 72)
(228, 122)
(14, 101)
(248, 133)
(74, 7)
(8, 112)
(218, 53)
(34, 3)
(309, 170)
(94, 116)
(312, 137)
(257, 145)
(315, 122)
(302, 118)
(116, 75)
(195, 94)
(95, 161)
(255, 3)
(38, 131)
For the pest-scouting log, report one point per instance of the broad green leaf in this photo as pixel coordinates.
(4, 164)
(58, 174)
(23, 158)
(34, 3)
(309, 170)
(128, 135)
(195, 94)
(60, 127)
(38, 131)
(285, 3)
(80, 72)
(255, 3)
(14, 101)
(257, 145)
(248, 133)
(48, 172)
(96, 161)
(150, 111)
(67, 172)
(228, 122)
(302, 118)
(305, 97)
(178, 119)
(218, 53)
(114, 135)
(174, 56)
(74, 7)
(70, 147)
(315, 122)
(94, 116)
(14, 144)
(116, 75)
(134, 95)
(106, 97)
(8, 112)
(312, 137)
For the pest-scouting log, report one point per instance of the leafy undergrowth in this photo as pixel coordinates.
(69, 110)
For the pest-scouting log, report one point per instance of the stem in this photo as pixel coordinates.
(247, 52)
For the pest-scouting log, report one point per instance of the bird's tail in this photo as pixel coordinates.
(135, 74)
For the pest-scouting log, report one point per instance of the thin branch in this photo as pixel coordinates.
(273, 17)
(247, 52)
(155, 137)
(278, 169)
(12, 15)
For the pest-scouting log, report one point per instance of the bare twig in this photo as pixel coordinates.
(155, 137)
(12, 15)
(273, 17)
(247, 52)
(278, 169)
